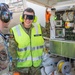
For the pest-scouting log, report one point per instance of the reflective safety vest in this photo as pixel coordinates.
(30, 48)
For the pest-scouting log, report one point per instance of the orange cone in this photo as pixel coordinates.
(16, 73)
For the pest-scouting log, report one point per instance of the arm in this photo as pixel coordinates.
(13, 51)
(3, 54)
(12, 47)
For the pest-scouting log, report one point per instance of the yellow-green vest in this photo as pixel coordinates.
(30, 48)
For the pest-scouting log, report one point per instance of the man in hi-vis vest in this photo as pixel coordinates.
(29, 44)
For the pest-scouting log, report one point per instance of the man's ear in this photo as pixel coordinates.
(21, 19)
(35, 19)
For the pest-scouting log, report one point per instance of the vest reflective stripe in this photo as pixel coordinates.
(24, 49)
(22, 60)
(36, 28)
(37, 47)
(29, 58)
(37, 58)
(33, 48)
(18, 30)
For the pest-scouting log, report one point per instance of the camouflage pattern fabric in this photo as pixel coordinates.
(4, 60)
(12, 50)
(46, 30)
(29, 71)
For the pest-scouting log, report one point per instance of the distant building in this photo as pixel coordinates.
(16, 5)
(12, 1)
(2, 1)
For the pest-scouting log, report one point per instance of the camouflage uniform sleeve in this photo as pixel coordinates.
(12, 47)
(3, 54)
(12, 51)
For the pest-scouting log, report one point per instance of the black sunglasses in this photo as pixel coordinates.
(30, 17)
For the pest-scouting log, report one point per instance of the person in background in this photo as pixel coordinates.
(28, 44)
(5, 17)
(47, 17)
(53, 23)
